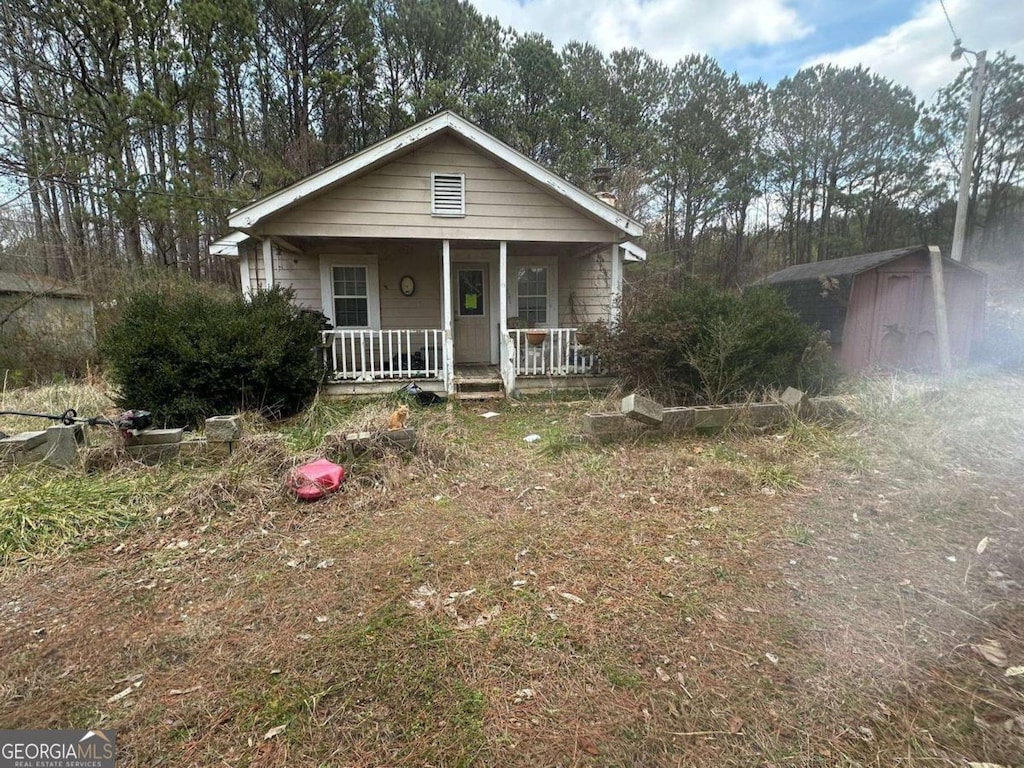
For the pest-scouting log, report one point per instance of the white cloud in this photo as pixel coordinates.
(916, 52)
(666, 29)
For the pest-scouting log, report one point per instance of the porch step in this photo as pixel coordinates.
(497, 395)
(478, 388)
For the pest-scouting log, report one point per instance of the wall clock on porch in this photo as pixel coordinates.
(407, 285)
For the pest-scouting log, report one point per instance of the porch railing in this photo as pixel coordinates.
(551, 352)
(365, 355)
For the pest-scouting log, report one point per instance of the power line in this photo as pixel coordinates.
(948, 20)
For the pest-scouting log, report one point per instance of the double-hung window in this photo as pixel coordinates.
(532, 287)
(351, 297)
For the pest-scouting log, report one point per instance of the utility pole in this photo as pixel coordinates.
(970, 139)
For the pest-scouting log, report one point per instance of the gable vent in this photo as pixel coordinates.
(448, 194)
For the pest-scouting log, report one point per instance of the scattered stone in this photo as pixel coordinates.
(223, 429)
(523, 694)
(794, 398)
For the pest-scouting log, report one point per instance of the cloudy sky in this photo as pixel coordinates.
(907, 40)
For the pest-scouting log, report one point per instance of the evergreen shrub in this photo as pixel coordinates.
(191, 351)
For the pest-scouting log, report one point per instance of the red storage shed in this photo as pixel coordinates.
(880, 307)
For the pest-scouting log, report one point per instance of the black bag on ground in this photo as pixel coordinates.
(420, 396)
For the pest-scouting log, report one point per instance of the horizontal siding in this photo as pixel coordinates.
(394, 201)
(423, 308)
(584, 288)
(300, 273)
(421, 261)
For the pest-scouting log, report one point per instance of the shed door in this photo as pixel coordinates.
(905, 331)
(893, 312)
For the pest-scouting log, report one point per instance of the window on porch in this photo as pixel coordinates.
(532, 287)
(351, 297)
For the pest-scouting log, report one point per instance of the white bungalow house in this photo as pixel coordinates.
(443, 256)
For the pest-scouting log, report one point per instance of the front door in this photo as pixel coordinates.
(472, 325)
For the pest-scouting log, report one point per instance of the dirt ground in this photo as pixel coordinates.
(818, 595)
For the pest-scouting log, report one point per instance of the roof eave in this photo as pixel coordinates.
(251, 215)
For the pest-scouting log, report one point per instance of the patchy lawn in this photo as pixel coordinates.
(809, 596)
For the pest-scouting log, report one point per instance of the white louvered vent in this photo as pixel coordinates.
(448, 194)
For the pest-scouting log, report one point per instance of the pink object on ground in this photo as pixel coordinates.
(315, 480)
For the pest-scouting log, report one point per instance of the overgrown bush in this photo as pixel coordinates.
(701, 344)
(187, 352)
(28, 356)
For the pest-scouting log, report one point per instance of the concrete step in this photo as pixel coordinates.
(498, 395)
(479, 386)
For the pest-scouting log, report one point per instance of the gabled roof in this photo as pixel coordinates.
(251, 215)
(850, 265)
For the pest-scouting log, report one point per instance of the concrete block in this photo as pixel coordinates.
(403, 438)
(223, 429)
(766, 414)
(605, 426)
(357, 443)
(715, 416)
(642, 409)
(154, 453)
(23, 441)
(154, 437)
(793, 397)
(677, 419)
(62, 445)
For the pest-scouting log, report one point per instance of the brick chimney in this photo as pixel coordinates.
(602, 183)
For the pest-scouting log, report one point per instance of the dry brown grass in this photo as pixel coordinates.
(745, 599)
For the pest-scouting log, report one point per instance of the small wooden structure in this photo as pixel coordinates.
(879, 308)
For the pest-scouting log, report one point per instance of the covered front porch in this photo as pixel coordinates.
(459, 317)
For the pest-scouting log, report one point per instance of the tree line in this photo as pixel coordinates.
(132, 127)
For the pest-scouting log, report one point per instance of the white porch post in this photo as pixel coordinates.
(446, 298)
(243, 273)
(268, 262)
(613, 311)
(505, 350)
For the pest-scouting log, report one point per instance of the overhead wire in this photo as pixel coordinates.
(948, 20)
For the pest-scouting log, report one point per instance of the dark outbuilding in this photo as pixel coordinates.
(879, 308)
